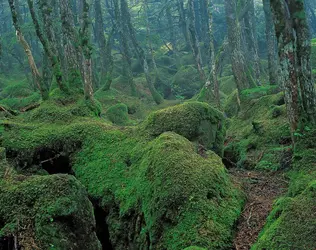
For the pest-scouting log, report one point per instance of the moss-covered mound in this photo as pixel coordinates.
(160, 192)
(18, 95)
(175, 196)
(258, 135)
(46, 212)
(196, 121)
(118, 114)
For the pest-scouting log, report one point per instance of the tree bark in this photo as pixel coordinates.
(271, 44)
(241, 74)
(35, 72)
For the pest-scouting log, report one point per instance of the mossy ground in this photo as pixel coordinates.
(258, 138)
(182, 199)
(258, 133)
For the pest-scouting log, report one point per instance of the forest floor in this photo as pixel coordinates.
(261, 189)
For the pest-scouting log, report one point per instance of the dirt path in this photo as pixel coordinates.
(261, 190)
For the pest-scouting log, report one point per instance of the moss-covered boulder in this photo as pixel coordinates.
(158, 190)
(118, 114)
(196, 121)
(46, 212)
(160, 193)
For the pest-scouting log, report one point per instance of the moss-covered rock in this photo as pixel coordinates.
(196, 121)
(158, 191)
(232, 104)
(47, 212)
(256, 139)
(118, 114)
(176, 200)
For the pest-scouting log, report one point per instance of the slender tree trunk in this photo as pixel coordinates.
(182, 21)
(251, 38)
(35, 72)
(271, 44)
(54, 59)
(87, 51)
(194, 43)
(241, 74)
(213, 69)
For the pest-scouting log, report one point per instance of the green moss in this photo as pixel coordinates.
(291, 225)
(194, 248)
(232, 106)
(118, 114)
(17, 89)
(254, 133)
(186, 81)
(50, 212)
(20, 103)
(196, 121)
(227, 84)
(176, 201)
(179, 196)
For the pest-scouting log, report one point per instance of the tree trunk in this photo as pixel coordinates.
(54, 59)
(271, 44)
(303, 46)
(87, 51)
(35, 72)
(251, 38)
(287, 54)
(241, 74)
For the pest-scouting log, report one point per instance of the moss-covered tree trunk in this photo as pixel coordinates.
(27, 49)
(125, 48)
(241, 74)
(251, 39)
(106, 64)
(213, 68)
(287, 54)
(87, 51)
(182, 21)
(271, 44)
(303, 47)
(54, 59)
(194, 43)
(71, 45)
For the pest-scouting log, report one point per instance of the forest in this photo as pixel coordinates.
(157, 124)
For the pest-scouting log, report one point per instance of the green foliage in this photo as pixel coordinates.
(20, 103)
(196, 121)
(118, 114)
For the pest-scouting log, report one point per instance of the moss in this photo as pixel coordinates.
(253, 133)
(291, 225)
(232, 106)
(20, 103)
(118, 114)
(227, 84)
(17, 89)
(186, 82)
(175, 201)
(194, 248)
(196, 121)
(179, 199)
(50, 212)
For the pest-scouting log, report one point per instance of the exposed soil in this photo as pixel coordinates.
(261, 190)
